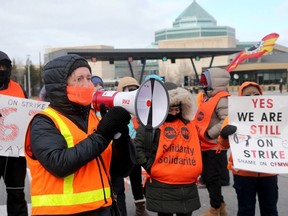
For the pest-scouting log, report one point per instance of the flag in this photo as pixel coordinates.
(264, 47)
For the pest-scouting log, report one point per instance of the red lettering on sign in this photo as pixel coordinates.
(8, 132)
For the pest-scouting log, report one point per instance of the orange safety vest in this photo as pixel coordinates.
(200, 98)
(14, 89)
(178, 159)
(203, 117)
(85, 190)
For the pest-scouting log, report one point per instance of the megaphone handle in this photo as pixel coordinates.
(148, 139)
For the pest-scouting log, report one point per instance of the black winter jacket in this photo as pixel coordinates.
(49, 146)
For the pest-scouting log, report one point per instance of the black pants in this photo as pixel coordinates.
(247, 188)
(136, 185)
(13, 171)
(225, 176)
(211, 174)
(136, 182)
(119, 189)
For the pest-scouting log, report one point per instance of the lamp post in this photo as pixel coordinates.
(28, 62)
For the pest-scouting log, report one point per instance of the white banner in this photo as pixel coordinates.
(260, 143)
(15, 114)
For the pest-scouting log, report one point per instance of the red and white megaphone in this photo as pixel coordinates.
(149, 103)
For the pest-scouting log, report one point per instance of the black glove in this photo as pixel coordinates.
(123, 132)
(103, 109)
(227, 130)
(112, 122)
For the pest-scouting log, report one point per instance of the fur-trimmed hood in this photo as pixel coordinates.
(185, 99)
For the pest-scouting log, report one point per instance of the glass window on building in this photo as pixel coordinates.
(272, 77)
(266, 80)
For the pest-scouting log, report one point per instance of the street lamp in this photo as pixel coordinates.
(28, 62)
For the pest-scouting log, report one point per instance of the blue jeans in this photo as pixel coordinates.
(248, 187)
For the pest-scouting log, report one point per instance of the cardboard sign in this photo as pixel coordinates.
(260, 143)
(15, 115)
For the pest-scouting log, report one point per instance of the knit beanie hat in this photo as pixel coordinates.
(77, 64)
(96, 80)
(125, 82)
(250, 90)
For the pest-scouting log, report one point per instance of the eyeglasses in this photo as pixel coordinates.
(80, 80)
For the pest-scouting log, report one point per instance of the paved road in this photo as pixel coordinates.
(228, 192)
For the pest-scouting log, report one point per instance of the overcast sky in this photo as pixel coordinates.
(28, 27)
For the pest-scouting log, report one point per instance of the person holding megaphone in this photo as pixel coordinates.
(174, 160)
(148, 105)
(68, 149)
(129, 84)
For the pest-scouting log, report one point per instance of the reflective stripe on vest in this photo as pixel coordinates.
(68, 197)
(68, 181)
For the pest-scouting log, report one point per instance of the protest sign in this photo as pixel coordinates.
(260, 143)
(15, 114)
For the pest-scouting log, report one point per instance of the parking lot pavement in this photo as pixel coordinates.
(228, 192)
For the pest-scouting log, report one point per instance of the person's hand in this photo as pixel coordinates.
(122, 132)
(228, 130)
(103, 109)
(115, 120)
